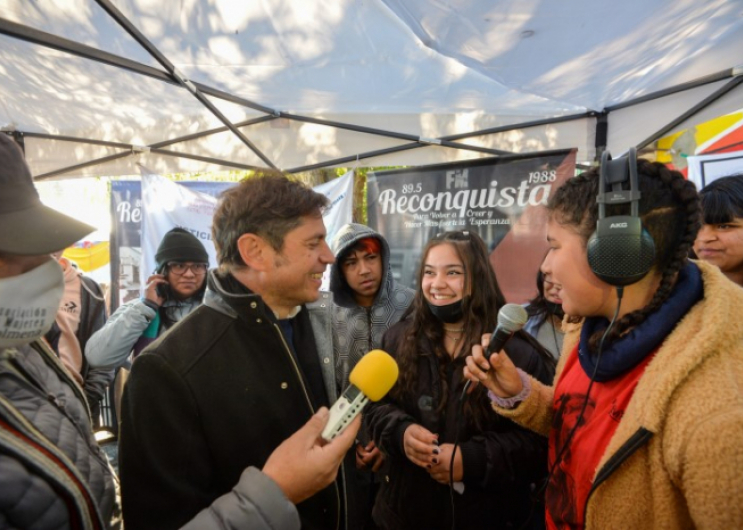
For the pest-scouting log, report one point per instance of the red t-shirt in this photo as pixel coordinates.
(567, 491)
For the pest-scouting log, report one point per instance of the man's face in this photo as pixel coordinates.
(16, 265)
(362, 270)
(295, 276)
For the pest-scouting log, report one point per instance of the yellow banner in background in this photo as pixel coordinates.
(90, 257)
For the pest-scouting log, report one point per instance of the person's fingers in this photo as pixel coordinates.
(473, 370)
(419, 447)
(478, 355)
(311, 430)
(360, 463)
(378, 461)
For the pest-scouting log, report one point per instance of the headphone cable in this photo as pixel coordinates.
(558, 457)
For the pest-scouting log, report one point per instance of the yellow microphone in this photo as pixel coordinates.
(370, 380)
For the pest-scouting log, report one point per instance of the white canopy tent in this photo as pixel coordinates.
(92, 87)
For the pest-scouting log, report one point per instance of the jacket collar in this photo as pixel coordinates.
(705, 331)
(628, 351)
(223, 296)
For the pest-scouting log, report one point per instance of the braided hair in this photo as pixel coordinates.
(670, 211)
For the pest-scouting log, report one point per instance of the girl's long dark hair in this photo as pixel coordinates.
(482, 299)
(670, 212)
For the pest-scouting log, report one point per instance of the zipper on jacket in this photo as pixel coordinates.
(369, 327)
(637, 440)
(288, 351)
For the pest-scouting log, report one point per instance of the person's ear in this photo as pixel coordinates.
(254, 251)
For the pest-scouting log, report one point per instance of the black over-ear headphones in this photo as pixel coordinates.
(620, 251)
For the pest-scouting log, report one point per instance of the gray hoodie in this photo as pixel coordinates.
(356, 329)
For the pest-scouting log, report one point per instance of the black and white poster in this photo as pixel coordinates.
(502, 199)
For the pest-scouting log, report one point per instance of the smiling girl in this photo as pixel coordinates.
(496, 460)
(646, 434)
(720, 240)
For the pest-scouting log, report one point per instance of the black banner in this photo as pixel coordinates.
(502, 199)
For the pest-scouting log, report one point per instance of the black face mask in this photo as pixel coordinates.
(555, 309)
(448, 314)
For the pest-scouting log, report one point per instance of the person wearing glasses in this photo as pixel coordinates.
(174, 290)
(425, 419)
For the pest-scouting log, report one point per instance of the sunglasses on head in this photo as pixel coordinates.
(453, 235)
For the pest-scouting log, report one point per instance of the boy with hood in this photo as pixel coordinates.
(367, 301)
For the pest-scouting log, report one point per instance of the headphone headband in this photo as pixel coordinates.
(620, 251)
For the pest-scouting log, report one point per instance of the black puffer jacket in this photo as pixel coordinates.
(500, 462)
(53, 475)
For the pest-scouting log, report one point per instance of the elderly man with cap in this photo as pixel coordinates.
(173, 291)
(52, 473)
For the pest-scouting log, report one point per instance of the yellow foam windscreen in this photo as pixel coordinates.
(375, 374)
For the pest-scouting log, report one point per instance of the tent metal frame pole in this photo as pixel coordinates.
(89, 163)
(51, 41)
(129, 150)
(705, 80)
(34, 36)
(119, 17)
(48, 40)
(352, 158)
(717, 94)
(209, 132)
(64, 138)
(416, 145)
(523, 125)
(217, 161)
(164, 143)
(444, 142)
(134, 151)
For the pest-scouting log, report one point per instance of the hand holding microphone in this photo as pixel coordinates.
(489, 365)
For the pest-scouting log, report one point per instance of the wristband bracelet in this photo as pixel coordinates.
(513, 402)
(149, 303)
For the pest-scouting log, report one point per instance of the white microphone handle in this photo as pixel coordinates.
(342, 413)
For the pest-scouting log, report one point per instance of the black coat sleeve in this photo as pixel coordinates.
(163, 454)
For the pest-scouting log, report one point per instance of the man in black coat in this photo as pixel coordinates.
(210, 400)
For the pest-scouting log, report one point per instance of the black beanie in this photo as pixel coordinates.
(179, 245)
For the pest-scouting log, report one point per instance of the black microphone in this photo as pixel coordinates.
(511, 318)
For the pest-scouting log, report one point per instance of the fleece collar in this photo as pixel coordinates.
(627, 352)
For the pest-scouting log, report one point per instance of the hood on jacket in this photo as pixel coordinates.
(344, 239)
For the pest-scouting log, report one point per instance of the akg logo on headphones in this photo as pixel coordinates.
(617, 225)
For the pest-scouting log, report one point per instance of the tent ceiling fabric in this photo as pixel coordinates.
(421, 68)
